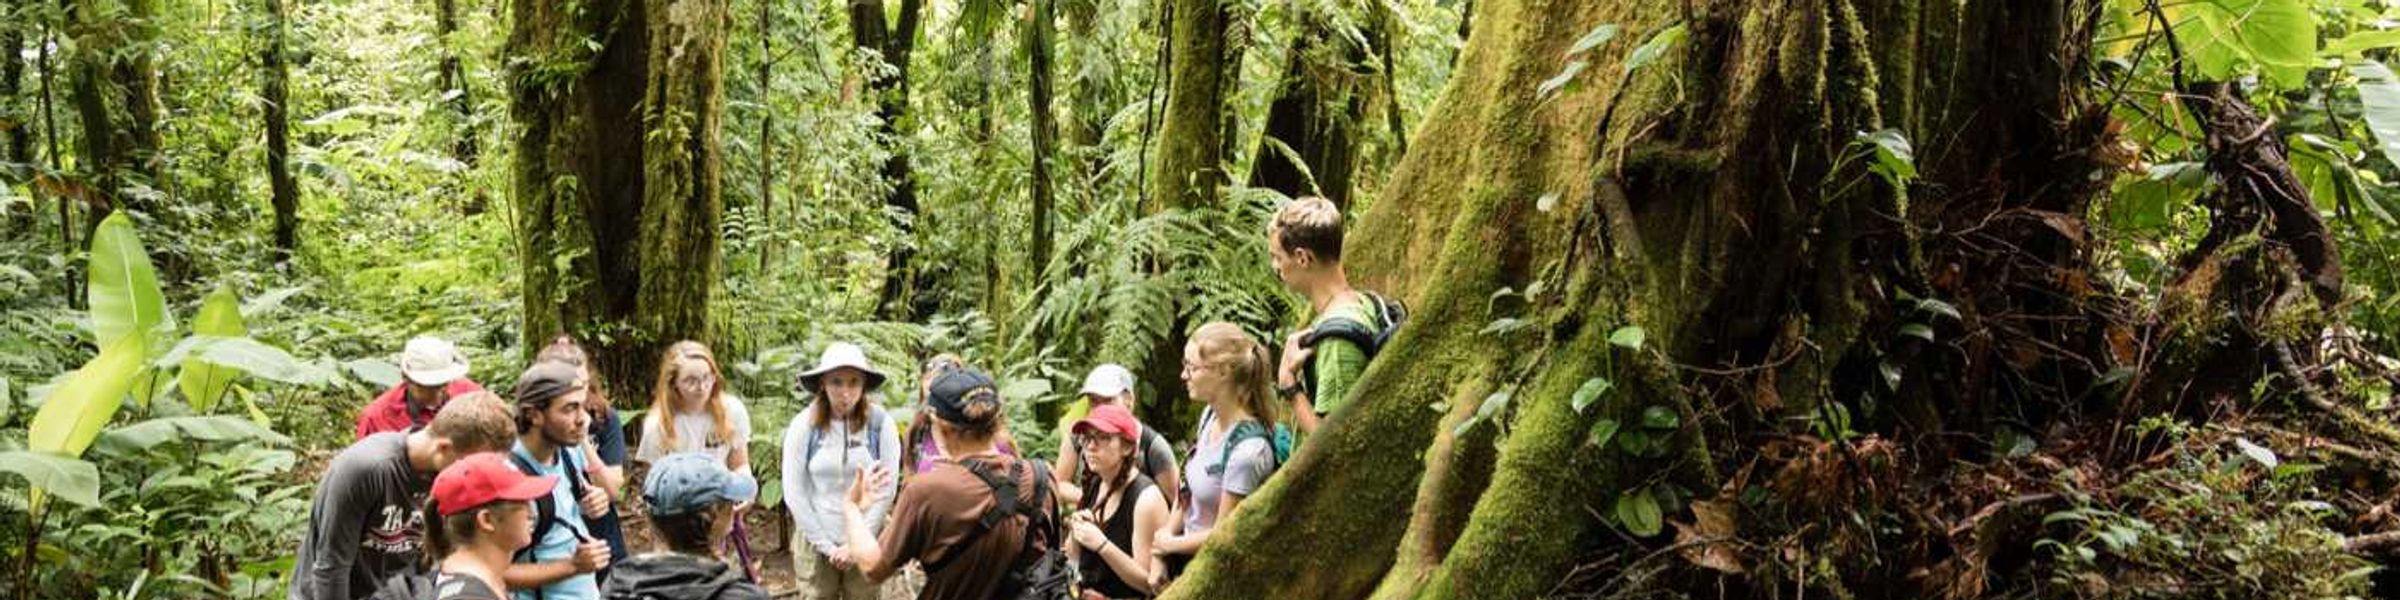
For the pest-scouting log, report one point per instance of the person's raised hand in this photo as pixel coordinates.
(591, 556)
(1089, 535)
(595, 502)
(1287, 373)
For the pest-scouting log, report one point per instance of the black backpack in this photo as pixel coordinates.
(1042, 571)
(1367, 336)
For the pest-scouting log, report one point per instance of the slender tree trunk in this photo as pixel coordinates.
(116, 96)
(1717, 199)
(766, 133)
(454, 86)
(622, 257)
(66, 217)
(1038, 49)
(871, 32)
(284, 191)
(13, 116)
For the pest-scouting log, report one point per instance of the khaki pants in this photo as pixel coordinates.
(819, 580)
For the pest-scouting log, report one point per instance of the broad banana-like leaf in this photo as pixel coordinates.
(75, 412)
(203, 382)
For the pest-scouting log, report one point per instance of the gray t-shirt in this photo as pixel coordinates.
(1252, 460)
(364, 523)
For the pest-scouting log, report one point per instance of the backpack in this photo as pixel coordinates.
(546, 513)
(1368, 337)
(1279, 440)
(877, 421)
(1042, 571)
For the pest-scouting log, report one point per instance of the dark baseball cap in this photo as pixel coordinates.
(954, 390)
(546, 381)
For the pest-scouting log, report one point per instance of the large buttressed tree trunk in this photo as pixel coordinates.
(1720, 195)
(619, 237)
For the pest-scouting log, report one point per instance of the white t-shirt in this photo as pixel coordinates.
(692, 433)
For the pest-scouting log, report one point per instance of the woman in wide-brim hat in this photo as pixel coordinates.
(842, 433)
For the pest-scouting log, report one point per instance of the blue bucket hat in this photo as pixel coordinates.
(691, 481)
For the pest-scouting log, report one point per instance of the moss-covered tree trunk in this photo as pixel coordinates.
(1187, 165)
(275, 99)
(1719, 196)
(616, 175)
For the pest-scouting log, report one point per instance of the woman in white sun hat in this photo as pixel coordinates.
(843, 432)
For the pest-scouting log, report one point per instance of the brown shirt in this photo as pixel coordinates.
(939, 509)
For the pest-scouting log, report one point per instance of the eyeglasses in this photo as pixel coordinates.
(1094, 438)
(695, 382)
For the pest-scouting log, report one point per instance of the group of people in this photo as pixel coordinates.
(524, 494)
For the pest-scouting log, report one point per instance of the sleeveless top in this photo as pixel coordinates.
(1118, 528)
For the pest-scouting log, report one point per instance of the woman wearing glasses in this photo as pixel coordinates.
(691, 411)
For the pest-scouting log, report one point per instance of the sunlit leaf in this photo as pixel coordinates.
(1590, 392)
(1597, 36)
(1657, 46)
(124, 292)
(203, 382)
(75, 412)
(70, 478)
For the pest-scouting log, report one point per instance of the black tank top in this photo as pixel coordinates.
(1118, 528)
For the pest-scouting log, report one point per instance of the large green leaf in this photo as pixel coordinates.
(204, 382)
(75, 412)
(2226, 38)
(249, 356)
(124, 293)
(2379, 99)
(145, 435)
(70, 478)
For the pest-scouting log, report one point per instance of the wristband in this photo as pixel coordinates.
(1290, 391)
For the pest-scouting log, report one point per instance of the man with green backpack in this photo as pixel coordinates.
(1322, 362)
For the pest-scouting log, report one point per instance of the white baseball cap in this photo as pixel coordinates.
(432, 361)
(1108, 380)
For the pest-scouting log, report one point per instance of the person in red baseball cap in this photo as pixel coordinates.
(485, 518)
(1123, 508)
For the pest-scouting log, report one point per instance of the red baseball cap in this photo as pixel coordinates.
(1110, 418)
(483, 478)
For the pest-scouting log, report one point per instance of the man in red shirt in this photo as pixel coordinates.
(432, 371)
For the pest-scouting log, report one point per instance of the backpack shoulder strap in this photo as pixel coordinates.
(1243, 431)
(1004, 505)
(877, 421)
(545, 512)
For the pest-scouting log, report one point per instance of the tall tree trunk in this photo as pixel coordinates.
(116, 97)
(871, 31)
(1038, 50)
(1307, 147)
(1718, 199)
(766, 135)
(623, 258)
(274, 91)
(1188, 165)
(15, 118)
(454, 85)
